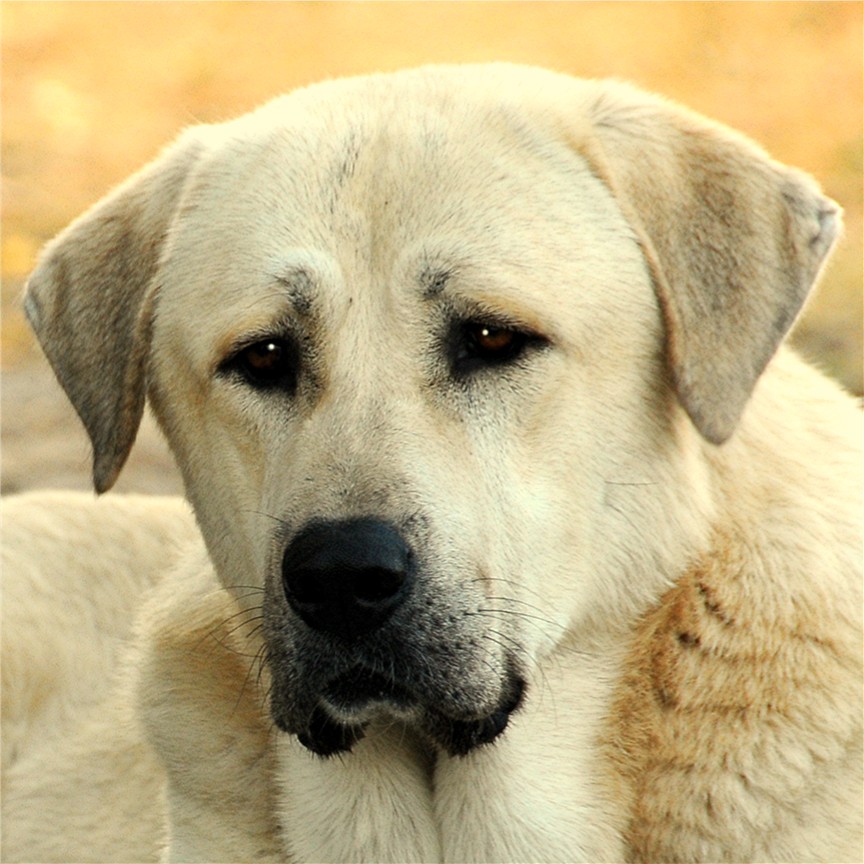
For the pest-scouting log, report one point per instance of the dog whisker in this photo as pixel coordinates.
(512, 600)
(256, 629)
(534, 621)
(247, 678)
(276, 519)
(515, 584)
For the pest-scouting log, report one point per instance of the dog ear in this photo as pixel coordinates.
(734, 241)
(90, 302)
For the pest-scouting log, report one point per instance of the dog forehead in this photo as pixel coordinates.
(388, 144)
(395, 179)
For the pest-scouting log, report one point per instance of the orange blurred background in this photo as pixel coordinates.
(92, 90)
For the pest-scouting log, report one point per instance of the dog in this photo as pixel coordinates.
(522, 536)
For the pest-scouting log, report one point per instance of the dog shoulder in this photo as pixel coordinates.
(738, 719)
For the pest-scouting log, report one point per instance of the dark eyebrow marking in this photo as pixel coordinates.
(433, 281)
(299, 286)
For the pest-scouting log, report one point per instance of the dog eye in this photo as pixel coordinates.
(493, 342)
(480, 343)
(268, 364)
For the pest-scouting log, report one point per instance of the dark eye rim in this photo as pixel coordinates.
(282, 375)
(468, 354)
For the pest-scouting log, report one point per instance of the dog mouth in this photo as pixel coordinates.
(350, 701)
(352, 694)
(347, 704)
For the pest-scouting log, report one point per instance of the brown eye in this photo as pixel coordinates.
(494, 340)
(479, 344)
(264, 358)
(268, 364)
(492, 344)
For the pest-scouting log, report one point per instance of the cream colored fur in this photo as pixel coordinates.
(655, 514)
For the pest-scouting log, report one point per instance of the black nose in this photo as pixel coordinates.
(346, 578)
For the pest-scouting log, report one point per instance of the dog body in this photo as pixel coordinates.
(510, 549)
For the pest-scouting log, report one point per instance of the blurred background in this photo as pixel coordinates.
(90, 91)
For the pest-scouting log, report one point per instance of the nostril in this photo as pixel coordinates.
(305, 586)
(376, 584)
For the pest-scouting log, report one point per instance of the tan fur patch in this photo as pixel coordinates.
(734, 709)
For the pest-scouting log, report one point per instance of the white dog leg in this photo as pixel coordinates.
(374, 804)
(539, 793)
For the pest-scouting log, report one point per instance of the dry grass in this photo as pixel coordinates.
(91, 91)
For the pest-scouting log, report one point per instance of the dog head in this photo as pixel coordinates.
(436, 353)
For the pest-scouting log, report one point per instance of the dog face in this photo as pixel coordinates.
(390, 343)
(436, 354)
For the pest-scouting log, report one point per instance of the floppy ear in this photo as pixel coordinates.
(735, 242)
(90, 303)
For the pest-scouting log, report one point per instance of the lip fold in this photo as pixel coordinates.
(460, 736)
(347, 704)
(350, 700)
(326, 737)
(351, 693)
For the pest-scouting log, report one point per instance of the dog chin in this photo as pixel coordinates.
(352, 701)
(359, 694)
